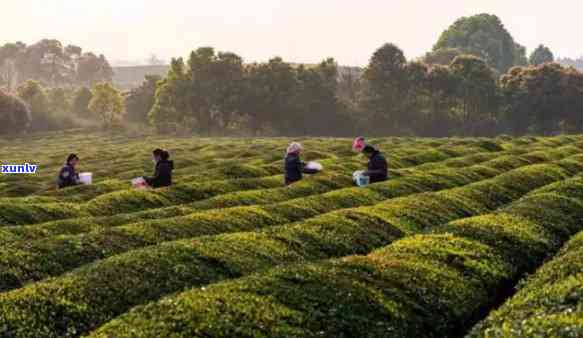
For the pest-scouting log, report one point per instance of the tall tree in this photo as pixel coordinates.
(139, 101)
(93, 69)
(483, 35)
(542, 54)
(537, 98)
(9, 54)
(172, 102)
(81, 102)
(268, 89)
(315, 102)
(386, 83)
(476, 92)
(216, 88)
(442, 87)
(14, 115)
(34, 95)
(107, 103)
(58, 101)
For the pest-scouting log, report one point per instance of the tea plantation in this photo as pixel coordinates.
(468, 238)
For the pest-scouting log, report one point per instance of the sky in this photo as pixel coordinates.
(305, 31)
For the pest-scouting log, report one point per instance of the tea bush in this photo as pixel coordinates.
(425, 285)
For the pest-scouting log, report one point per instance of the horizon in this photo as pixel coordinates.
(131, 31)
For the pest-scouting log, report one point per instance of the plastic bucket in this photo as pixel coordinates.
(86, 178)
(360, 179)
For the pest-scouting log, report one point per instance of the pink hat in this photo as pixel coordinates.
(358, 144)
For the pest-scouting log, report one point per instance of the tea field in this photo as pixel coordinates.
(468, 238)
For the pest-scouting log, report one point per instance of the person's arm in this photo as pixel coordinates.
(152, 181)
(76, 179)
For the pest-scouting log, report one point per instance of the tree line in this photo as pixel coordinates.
(476, 81)
(51, 63)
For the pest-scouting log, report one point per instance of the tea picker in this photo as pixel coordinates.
(162, 172)
(377, 168)
(68, 175)
(294, 167)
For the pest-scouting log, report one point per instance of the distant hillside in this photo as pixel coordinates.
(132, 76)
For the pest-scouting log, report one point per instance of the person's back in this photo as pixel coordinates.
(377, 165)
(293, 168)
(68, 176)
(163, 171)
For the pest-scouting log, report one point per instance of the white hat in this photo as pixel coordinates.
(294, 147)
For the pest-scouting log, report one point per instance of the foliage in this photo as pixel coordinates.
(80, 106)
(462, 217)
(485, 36)
(107, 103)
(14, 115)
(542, 98)
(139, 101)
(542, 54)
(51, 63)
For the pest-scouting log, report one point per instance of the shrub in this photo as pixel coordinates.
(334, 234)
(14, 115)
(431, 284)
(548, 303)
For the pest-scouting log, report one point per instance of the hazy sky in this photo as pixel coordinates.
(297, 30)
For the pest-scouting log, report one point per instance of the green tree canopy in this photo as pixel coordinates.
(58, 100)
(81, 102)
(542, 54)
(107, 103)
(33, 94)
(172, 102)
(14, 115)
(442, 56)
(485, 36)
(139, 101)
(476, 91)
(386, 80)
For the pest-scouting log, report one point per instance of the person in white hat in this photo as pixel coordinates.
(294, 167)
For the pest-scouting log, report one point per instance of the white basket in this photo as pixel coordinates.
(86, 178)
(314, 166)
(360, 179)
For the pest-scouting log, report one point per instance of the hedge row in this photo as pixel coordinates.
(46, 257)
(549, 303)
(216, 165)
(431, 285)
(126, 201)
(77, 225)
(25, 261)
(89, 296)
(117, 202)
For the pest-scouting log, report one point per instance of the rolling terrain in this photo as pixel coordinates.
(469, 237)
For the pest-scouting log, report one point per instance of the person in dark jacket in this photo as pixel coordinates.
(163, 171)
(377, 165)
(294, 167)
(68, 176)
